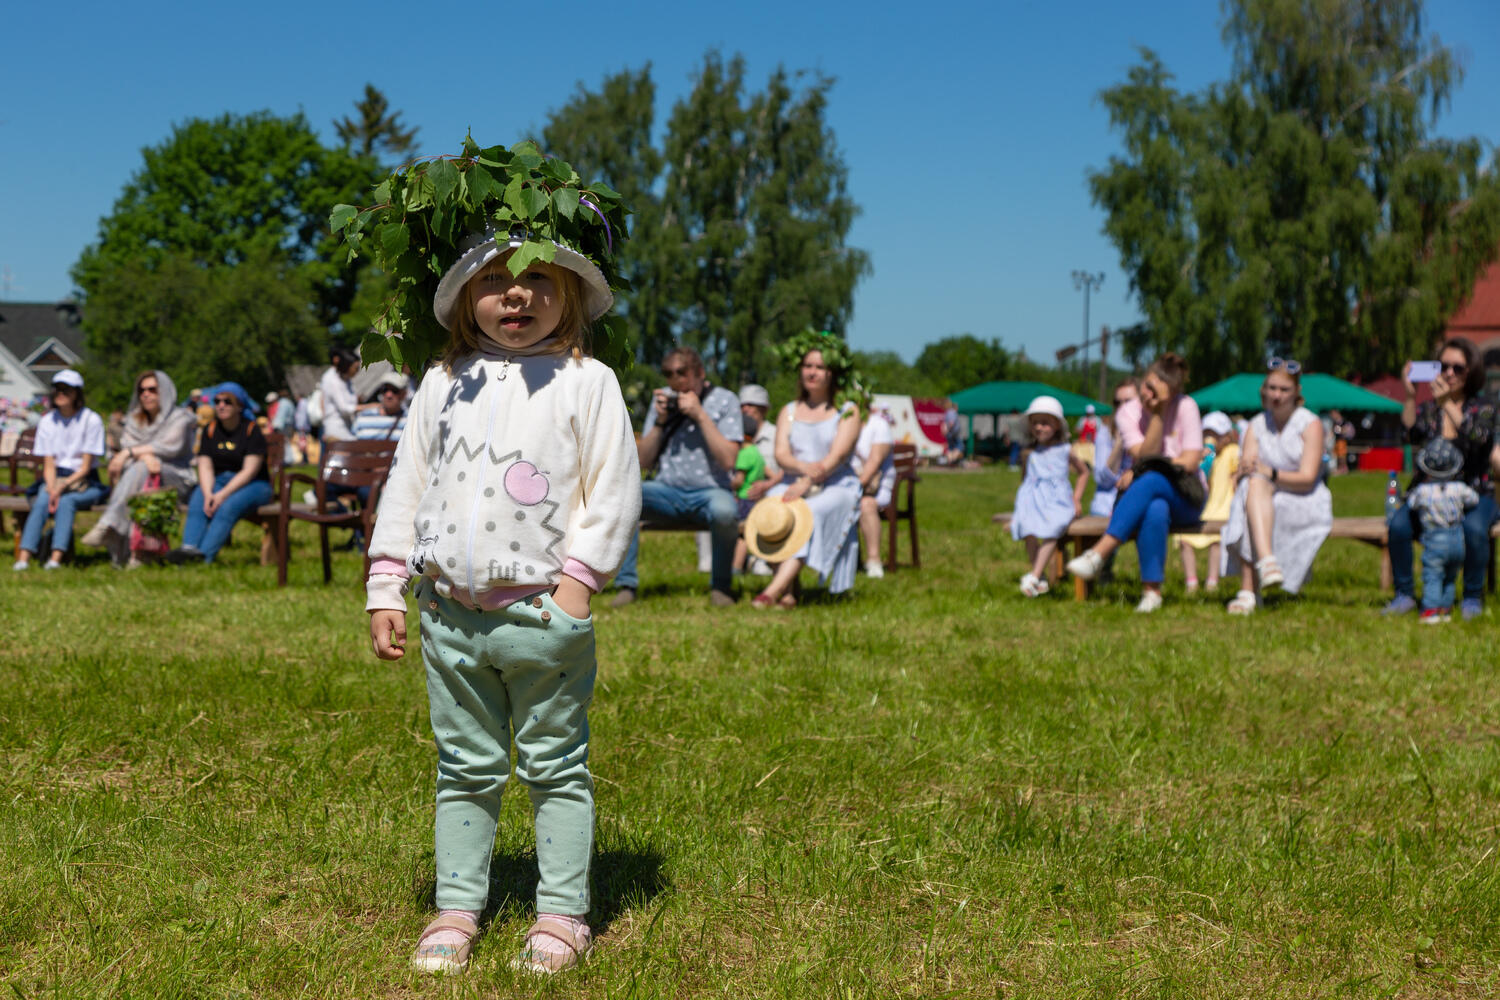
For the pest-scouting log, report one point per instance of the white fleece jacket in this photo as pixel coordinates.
(511, 472)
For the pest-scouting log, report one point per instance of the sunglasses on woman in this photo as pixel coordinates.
(1285, 364)
(225, 401)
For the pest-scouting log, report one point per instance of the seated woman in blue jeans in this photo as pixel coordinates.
(69, 440)
(1160, 421)
(1461, 413)
(232, 478)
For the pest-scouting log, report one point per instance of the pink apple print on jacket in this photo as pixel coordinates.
(525, 484)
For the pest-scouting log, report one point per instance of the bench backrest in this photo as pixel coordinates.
(275, 455)
(905, 456)
(22, 457)
(356, 463)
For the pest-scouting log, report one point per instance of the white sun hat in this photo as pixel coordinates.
(1047, 405)
(481, 248)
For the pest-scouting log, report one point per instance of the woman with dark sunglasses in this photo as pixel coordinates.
(1458, 412)
(158, 441)
(232, 479)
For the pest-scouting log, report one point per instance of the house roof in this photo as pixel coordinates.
(26, 327)
(1481, 313)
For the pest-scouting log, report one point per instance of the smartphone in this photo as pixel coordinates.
(1425, 371)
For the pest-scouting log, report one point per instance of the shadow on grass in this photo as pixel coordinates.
(623, 879)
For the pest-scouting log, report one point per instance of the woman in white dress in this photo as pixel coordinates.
(815, 439)
(1282, 509)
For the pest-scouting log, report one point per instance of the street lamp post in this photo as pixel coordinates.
(1086, 282)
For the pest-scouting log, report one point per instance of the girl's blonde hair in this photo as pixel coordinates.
(569, 337)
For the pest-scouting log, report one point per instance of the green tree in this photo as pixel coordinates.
(740, 215)
(203, 324)
(1300, 208)
(375, 127)
(758, 191)
(958, 362)
(888, 373)
(234, 193)
(607, 134)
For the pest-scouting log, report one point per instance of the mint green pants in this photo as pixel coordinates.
(525, 670)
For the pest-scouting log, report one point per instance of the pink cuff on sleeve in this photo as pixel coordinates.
(583, 575)
(389, 567)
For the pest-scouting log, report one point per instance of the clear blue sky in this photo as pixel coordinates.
(967, 128)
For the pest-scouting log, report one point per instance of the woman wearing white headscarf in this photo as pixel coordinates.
(157, 441)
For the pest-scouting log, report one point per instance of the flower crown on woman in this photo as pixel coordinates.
(849, 385)
(437, 221)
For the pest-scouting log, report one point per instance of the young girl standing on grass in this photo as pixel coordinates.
(1045, 505)
(511, 500)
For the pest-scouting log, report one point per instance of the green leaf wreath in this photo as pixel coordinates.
(424, 211)
(849, 385)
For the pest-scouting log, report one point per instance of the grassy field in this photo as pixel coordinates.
(936, 789)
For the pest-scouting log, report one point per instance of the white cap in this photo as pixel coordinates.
(755, 395)
(1089, 409)
(1047, 405)
(68, 377)
(1217, 422)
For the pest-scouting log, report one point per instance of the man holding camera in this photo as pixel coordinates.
(691, 437)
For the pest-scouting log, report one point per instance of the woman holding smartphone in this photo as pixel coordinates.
(1459, 413)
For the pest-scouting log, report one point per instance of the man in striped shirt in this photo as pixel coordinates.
(385, 420)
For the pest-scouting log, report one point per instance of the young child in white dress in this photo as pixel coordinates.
(1046, 502)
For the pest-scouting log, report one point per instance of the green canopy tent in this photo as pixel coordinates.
(1241, 394)
(1014, 397)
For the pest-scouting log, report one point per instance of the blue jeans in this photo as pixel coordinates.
(1147, 512)
(712, 508)
(1476, 530)
(1442, 555)
(68, 505)
(208, 534)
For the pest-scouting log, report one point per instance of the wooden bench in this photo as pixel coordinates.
(1085, 531)
(892, 513)
(13, 499)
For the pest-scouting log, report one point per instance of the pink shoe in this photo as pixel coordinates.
(553, 945)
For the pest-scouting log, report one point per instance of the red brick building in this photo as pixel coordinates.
(1479, 320)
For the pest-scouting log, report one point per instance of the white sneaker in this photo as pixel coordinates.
(1088, 565)
(310, 497)
(1029, 585)
(1243, 604)
(875, 569)
(97, 536)
(20, 565)
(1150, 601)
(52, 564)
(759, 567)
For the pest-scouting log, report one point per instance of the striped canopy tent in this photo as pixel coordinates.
(1320, 393)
